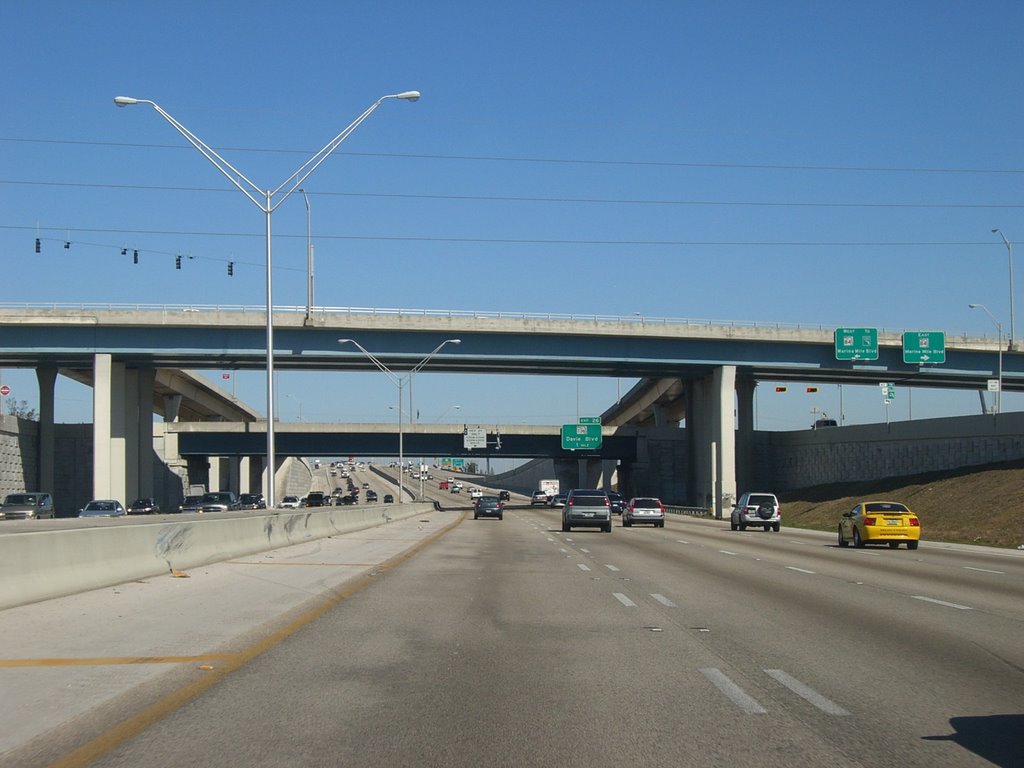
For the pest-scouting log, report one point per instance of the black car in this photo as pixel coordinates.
(250, 501)
(618, 503)
(371, 495)
(504, 496)
(219, 501)
(389, 499)
(317, 499)
(146, 506)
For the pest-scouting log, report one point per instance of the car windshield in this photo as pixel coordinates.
(193, 499)
(886, 506)
(217, 497)
(20, 498)
(757, 499)
(646, 502)
(140, 503)
(100, 506)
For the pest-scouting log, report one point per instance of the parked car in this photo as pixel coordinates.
(539, 497)
(371, 495)
(488, 506)
(587, 508)
(27, 506)
(618, 502)
(316, 499)
(146, 506)
(290, 502)
(389, 499)
(252, 501)
(219, 501)
(191, 504)
(644, 509)
(878, 522)
(760, 509)
(103, 508)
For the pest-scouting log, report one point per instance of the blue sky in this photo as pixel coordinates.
(817, 162)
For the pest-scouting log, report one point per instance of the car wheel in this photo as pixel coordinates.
(501, 517)
(842, 539)
(661, 524)
(476, 517)
(566, 527)
(608, 527)
(627, 523)
(894, 545)
(858, 542)
(733, 526)
(911, 545)
(776, 527)
(767, 527)
(743, 526)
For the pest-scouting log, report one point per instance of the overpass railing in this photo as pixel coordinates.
(636, 319)
(691, 511)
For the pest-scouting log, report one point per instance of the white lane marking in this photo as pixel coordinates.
(983, 570)
(563, 550)
(624, 600)
(807, 693)
(583, 566)
(726, 552)
(550, 539)
(801, 570)
(663, 600)
(680, 541)
(794, 541)
(611, 567)
(733, 692)
(584, 550)
(943, 602)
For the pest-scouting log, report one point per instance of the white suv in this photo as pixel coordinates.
(760, 509)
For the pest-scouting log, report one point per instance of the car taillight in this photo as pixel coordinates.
(606, 502)
(914, 522)
(869, 521)
(662, 506)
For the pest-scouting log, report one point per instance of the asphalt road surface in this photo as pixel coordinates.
(510, 643)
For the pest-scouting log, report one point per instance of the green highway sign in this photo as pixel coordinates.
(590, 420)
(924, 347)
(581, 437)
(856, 343)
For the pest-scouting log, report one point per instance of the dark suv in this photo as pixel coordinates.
(219, 501)
(252, 501)
(146, 506)
(587, 508)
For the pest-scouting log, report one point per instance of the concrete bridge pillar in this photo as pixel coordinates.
(109, 429)
(710, 420)
(745, 474)
(47, 378)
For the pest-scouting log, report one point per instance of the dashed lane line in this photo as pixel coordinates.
(663, 600)
(624, 600)
(733, 692)
(943, 602)
(807, 693)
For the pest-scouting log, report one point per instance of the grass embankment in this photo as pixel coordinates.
(977, 505)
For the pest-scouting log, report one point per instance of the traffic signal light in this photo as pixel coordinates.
(812, 389)
(177, 262)
(39, 245)
(231, 268)
(780, 389)
(135, 256)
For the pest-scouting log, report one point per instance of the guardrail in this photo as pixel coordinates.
(691, 511)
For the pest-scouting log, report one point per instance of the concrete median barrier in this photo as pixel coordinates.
(46, 563)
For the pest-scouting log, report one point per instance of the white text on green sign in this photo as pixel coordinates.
(856, 343)
(924, 347)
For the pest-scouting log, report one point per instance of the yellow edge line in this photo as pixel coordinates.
(113, 660)
(94, 749)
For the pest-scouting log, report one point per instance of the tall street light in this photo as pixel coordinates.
(999, 333)
(399, 381)
(264, 200)
(309, 260)
(1009, 253)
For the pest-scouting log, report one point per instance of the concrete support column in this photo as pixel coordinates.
(108, 442)
(745, 470)
(245, 474)
(699, 480)
(724, 426)
(145, 465)
(217, 477)
(47, 378)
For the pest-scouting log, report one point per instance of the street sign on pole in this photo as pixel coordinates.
(888, 391)
(5, 390)
(856, 343)
(924, 347)
(991, 384)
(581, 437)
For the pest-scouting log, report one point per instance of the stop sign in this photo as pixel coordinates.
(5, 390)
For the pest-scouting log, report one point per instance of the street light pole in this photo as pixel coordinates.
(999, 334)
(264, 200)
(309, 260)
(1009, 253)
(399, 381)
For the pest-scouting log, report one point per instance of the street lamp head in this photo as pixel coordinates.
(995, 230)
(124, 101)
(972, 306)
(408, 95)
(345, 341)
(453, 341)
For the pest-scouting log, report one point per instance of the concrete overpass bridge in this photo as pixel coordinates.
(701, 370)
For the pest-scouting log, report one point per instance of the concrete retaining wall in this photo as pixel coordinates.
(788, 460)
(43, 564)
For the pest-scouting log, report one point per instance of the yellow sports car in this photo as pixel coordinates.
(877, 522)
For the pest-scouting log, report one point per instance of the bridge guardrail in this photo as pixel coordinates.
(691, 511)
